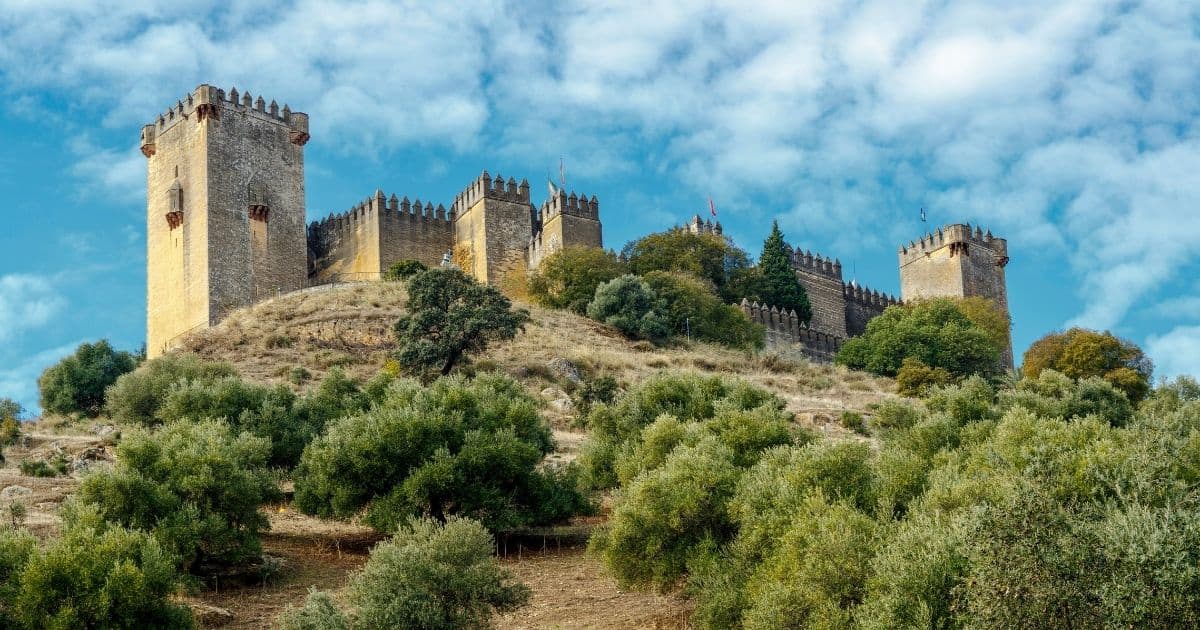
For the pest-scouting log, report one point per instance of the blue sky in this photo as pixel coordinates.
(1069, 128)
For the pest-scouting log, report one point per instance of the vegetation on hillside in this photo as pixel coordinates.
(1080, 353)
(195, 486)
(451, 316)
(568, 278)
(429, 576)
(935, 333)
(1053, 499)
(458, 447)
(95, 575)
(629, 304)
(76, 384)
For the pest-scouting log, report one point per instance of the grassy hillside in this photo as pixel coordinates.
(298, 338)
(349, 327)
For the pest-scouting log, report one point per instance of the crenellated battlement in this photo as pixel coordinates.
(784, 328)
(816, 263)
(868, 297)
(960, 238)
(487, 187)
(380, 206)
(207, 102)
(572, 205)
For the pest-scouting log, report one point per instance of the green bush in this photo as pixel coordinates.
(568, 278)
(451, 316)
(457, 447)
(196, 486)
(602, 389)
(77, 383)
(710, 257)
(629, 305)
(54, 467)
(319, 612)
(137, 396)
(935, 332)
(276, 413)
(693, 307)
(688, 397)
(1054, 395)
(429, 576)
(914, 378)
(667, 514)
(403, 270)
(94, 576)
(1080, 353)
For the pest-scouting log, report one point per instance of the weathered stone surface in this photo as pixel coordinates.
(565, 369)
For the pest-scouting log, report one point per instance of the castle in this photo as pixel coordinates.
(226, 228)
(226, 218)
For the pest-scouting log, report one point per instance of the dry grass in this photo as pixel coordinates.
(349, 327)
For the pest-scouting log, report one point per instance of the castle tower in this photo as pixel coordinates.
(224, 209)
(956, 262)
(493, 221)
(566, 221)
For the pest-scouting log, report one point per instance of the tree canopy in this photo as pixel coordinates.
(935, 332)
(779, 285)
(77, 383)
(451, 316)
(568, 278)
(707, 256)
(1080, 353)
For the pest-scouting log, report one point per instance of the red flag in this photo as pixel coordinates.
(711, 207)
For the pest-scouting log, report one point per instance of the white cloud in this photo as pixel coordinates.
(26, 302)
(1176, 353)
(1067, 126)
(18, 380)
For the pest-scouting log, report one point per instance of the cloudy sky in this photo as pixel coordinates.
(1070, 128)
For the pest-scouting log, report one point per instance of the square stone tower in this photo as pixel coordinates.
(224, 211)
(493, 222)
(565, 221)
(956, 262)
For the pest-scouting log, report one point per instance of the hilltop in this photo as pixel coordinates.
(298, 338)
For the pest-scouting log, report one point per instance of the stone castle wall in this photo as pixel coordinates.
(363, 242)
(785, 330)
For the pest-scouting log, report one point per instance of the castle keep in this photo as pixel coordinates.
(225, 219)
(225, 228)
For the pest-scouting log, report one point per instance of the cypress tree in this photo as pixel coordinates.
(780, 287)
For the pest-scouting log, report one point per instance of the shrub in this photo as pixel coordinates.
(568, 278)
(196, 487)
(915, 378)
(457, 447)
(779, 285)
(451, 316)
(665, 516)
(403, 270)
(1080, 353)
(602, 389)
(94, 576)
(1054, 395)
(319, 612)
(686, 396)
(935, 332)
(429, 576)
(693, 307)
(76, 384)
(710, 257)
(137, 396)
(629, 305)
(55, 467)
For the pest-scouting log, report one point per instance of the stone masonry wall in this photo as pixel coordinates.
(785, 331)
(822, 280)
